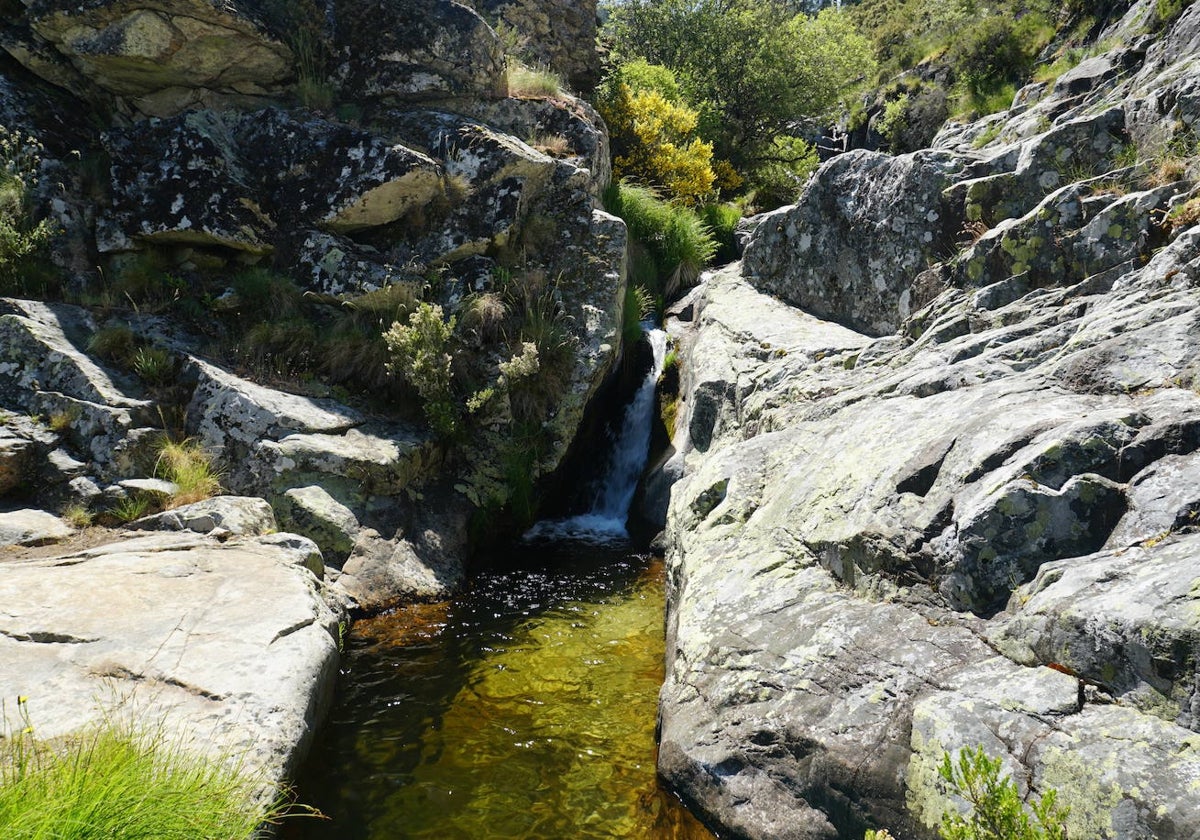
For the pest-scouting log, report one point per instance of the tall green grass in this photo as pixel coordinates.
(677, 240)
(113, 782)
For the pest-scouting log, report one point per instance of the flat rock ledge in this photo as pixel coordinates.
(226, 647)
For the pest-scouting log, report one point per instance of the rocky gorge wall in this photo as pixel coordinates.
(355, 149)
(935, 474)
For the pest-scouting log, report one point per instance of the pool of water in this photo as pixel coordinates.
(523, 709)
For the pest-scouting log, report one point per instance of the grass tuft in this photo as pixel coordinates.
(679, 242)
(533, 82)
(186, 465)
(115, 782)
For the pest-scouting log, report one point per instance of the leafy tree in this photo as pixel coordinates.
(997, 812)
(752, 69)
(652, 132)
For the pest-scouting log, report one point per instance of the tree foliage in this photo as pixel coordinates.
(653, 133)
(752, 69)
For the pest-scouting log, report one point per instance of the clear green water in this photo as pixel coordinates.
(524, 709)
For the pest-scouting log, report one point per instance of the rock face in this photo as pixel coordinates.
(976, 528)
(560, 34)
(331, 150)
(227, 645)
(163, 56)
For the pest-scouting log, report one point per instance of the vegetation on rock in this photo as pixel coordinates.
(115, 781)
(997, 811)
(21, 238)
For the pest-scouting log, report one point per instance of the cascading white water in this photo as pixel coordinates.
(610, 507)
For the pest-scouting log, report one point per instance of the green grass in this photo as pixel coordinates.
(535, 82)
(113, 782)
(186, 465)
(679, 242)
(722, 221)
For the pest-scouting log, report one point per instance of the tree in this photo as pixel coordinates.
(752, 69)
(652, 132)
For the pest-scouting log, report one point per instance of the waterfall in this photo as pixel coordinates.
(630, 448)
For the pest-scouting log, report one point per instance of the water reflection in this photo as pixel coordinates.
(524, 709)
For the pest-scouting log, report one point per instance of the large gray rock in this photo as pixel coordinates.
(862, 230)
(227, 647)
(847, 504)
(237, 515)
(32, 527)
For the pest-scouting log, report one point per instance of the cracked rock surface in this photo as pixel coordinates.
(227, 645)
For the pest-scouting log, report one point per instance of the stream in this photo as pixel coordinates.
(524, 708)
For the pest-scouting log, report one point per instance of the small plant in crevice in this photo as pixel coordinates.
(533, 82)
(77, 516)
(190, 468)
(129, 508)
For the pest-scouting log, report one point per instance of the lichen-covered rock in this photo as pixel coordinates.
(544, 121)
(313, 512)
(846, 503)
(329, 174)
(237, 515)
(164, 56)
(227, 648)
(417, 51)
(1123, 774)
(181, 181)
(232, 416)
(560, 34)
(863, 229)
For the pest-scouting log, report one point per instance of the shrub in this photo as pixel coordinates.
(20, 238)
(419, 353)
(653, 133)
(675, 237)
(115, 344)
(116, 782)
(153, 365)
(997, 812)
(186, 465)
(721, 221)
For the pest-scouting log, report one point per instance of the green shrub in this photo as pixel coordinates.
(677, 240)
(115, 344)
(21, 239)
(153, 365)
(997, 812)
(116, 782)
(420, 353)
(722, 221)
(652, 132)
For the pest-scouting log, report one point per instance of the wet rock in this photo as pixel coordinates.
(226, 646)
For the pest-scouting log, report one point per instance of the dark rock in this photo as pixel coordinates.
(418, 51)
